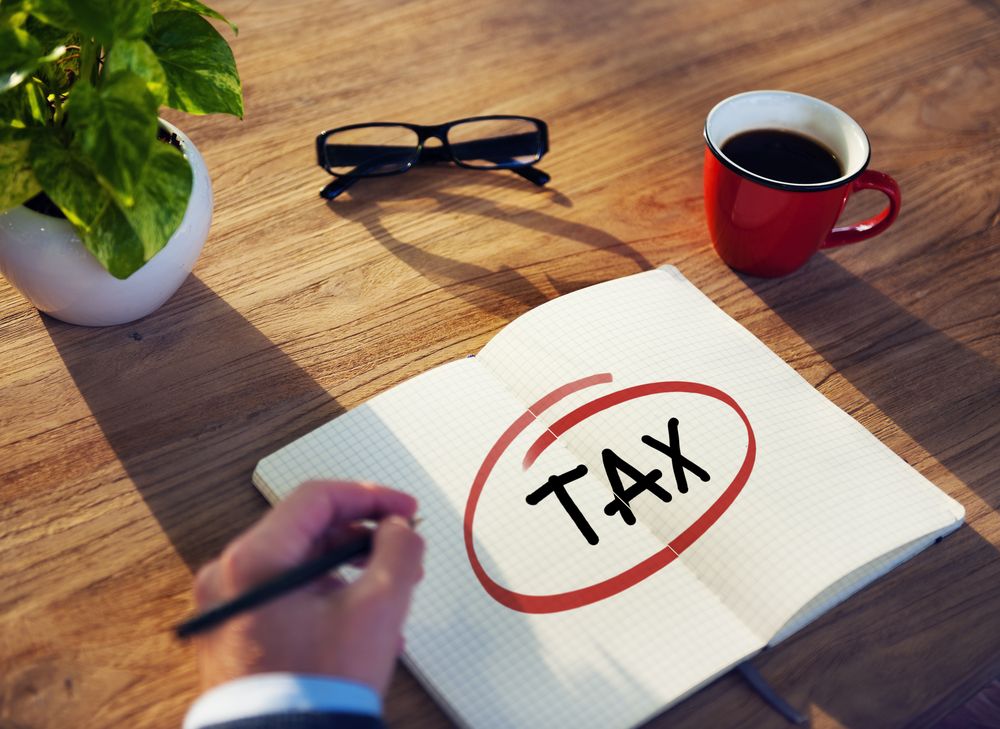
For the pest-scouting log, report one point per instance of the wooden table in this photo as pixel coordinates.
(127, 451)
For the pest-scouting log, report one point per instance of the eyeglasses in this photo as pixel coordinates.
(378, 149)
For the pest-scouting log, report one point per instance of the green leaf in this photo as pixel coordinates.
(53, 12)
(20, 52)
(161, 199)
(74, 188)
(24, 106)
(199, 64)
(124, 239)
(38, 108)
(137, 57)
(49, 35)
(105, 20)
(121, 238)
(114, 128)
(55, 79)
(17, 181)
(115, 243)
(160, 6)
(68, 181)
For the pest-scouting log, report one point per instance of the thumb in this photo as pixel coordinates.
(395, 564)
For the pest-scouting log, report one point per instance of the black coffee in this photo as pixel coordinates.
(783, 156)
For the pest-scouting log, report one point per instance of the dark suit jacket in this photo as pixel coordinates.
(304, 720)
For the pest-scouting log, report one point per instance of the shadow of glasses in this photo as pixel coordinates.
(504, 292)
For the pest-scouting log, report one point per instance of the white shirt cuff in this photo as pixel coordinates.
(280, 693)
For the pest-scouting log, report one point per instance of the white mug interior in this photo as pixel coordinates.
(789, 111)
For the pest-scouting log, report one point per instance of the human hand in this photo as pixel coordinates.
(328, 627)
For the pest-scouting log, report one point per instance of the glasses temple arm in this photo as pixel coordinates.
(340, 184)
(336, 186)
(532, 174)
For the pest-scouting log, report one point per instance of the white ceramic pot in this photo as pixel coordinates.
(45, 260)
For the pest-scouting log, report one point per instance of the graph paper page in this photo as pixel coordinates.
(803, 496)
(509, 661)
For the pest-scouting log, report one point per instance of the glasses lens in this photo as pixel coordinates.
(491, 143)
(375, 150)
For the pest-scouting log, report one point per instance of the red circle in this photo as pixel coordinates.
(558, 602)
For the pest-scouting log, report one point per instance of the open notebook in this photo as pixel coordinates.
(624, 495)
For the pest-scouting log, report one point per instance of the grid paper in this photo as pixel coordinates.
(825, 498)
(826, 509)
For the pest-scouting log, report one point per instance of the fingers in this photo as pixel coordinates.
(395, 565)
(207, 590)
(287, 535)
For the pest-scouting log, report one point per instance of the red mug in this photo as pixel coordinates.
(769, 227)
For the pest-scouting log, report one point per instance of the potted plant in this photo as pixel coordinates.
(105, 206)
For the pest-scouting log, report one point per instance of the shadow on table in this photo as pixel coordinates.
(902, 364)
(504, 292)
(922, 638)
(190, 398)
(944, 396)
(917, 641)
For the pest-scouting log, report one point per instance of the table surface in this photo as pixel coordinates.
(127, 451)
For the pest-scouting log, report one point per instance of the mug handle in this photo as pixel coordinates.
(869, 180)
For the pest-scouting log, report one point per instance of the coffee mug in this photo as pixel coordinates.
(779, 167)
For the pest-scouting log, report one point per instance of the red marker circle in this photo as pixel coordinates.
(572, 599)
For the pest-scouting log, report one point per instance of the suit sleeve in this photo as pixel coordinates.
(304, 720)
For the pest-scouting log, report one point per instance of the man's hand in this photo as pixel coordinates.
(327, 628)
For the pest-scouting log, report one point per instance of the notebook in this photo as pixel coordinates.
(624, 495)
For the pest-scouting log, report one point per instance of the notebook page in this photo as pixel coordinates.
(823, 497)
(613, 663)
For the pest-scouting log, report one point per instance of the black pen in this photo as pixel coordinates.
(277, 586)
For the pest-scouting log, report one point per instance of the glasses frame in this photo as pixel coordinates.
(423, 154)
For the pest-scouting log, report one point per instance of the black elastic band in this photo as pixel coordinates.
(770, 696)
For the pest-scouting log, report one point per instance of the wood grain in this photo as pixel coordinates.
(126, 451)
